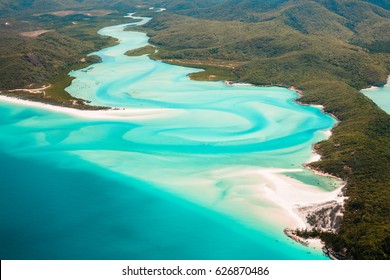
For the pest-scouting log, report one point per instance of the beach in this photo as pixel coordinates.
(110, 114)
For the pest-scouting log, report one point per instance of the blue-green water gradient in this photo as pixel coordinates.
(179, 175)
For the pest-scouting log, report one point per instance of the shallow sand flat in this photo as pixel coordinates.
(215, 182)
(279, 189)
(233, 150)
(191, 156)
(112, 114)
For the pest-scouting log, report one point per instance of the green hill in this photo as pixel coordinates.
(38, 6)
(36, 59)
(186, 5)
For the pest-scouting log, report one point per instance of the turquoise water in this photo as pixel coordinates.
(186, 171)
(381, 96)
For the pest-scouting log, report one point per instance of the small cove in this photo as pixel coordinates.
(380, 95)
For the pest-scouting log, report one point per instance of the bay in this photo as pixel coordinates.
(182, 170)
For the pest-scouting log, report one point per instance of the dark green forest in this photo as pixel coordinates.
(35, 59)
(329, 49)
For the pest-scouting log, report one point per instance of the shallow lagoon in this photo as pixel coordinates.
(380, 95)
(190, 170)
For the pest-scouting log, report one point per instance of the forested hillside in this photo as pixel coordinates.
(31, 6)
(61, 41)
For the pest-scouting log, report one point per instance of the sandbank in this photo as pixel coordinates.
(111, 114)
(292, 195)
(371, 88)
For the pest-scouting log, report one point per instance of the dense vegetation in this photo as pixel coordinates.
(41, 48)
(37, 59)
(330, 49)
(141, 51)
(26, 7)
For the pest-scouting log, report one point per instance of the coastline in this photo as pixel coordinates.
(293, 208)
(319, 106)
(379, 95)
(297, 211)
(39, 95)
(359, 133)
(286, 198)
(326, 216)
(371, 88)
(108, 114)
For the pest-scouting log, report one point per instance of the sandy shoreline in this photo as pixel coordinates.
(371, 88)
(111, 114)
(321, 107)
(375, 87)
(328, 214)
(294, 195)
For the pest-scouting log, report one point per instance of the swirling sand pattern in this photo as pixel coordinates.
(224, 150)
